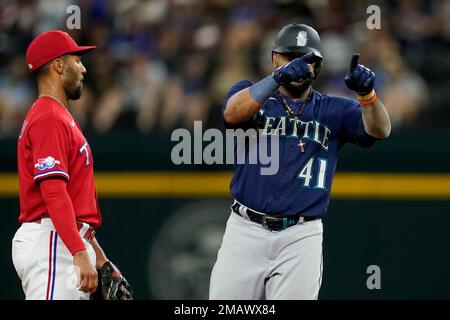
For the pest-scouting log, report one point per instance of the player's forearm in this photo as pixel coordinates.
(374, 115)
(244, 104)
(376, 119)
(101, 258)
(241, 107)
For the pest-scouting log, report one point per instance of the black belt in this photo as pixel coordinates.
(272, 222)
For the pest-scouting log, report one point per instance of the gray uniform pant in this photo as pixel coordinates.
(255, 263)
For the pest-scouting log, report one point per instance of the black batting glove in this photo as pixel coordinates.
(295, 70)
(359, 78)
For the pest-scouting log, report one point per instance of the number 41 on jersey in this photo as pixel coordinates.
(306, 173)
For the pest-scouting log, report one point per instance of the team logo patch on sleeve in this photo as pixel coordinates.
(46, 163)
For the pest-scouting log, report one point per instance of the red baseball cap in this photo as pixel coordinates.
(51, 45)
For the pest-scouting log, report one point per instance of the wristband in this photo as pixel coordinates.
(368, 98)
(262, 90)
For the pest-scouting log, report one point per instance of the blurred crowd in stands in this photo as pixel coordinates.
(162, 64)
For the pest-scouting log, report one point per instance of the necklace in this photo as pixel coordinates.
(47, 95)
(288, 108)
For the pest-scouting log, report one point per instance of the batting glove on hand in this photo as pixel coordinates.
(295, 70)
(359, 78)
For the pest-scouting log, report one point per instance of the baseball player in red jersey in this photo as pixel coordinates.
(54, 251)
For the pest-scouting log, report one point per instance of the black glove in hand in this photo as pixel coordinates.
(295, 70)
(112, 284)
(359, 78)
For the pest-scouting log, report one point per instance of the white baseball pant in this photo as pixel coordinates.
(44, 264)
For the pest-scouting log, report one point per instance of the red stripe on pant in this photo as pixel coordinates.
(50, 252)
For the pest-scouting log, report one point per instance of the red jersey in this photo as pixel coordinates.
(51, 144)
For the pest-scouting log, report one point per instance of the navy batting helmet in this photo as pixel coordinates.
(297, 39)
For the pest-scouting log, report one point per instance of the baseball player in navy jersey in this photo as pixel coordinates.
(272, 246)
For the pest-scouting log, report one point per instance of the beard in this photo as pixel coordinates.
(296, 89)
(72, 86)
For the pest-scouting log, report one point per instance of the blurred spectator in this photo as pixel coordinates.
(137, 90)
(405, 92)
(163, 64)
(185, 97)
(16, 96)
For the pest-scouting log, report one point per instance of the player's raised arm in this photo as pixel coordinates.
(244, 104)
(375, 117)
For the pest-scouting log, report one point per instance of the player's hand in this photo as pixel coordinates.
(359, 78)
(87, 277)
(295, 70)
(112, 284)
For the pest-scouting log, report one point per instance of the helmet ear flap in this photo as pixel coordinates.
(317, 67)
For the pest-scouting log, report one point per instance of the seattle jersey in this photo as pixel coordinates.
(308, 151)
(51, 144)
